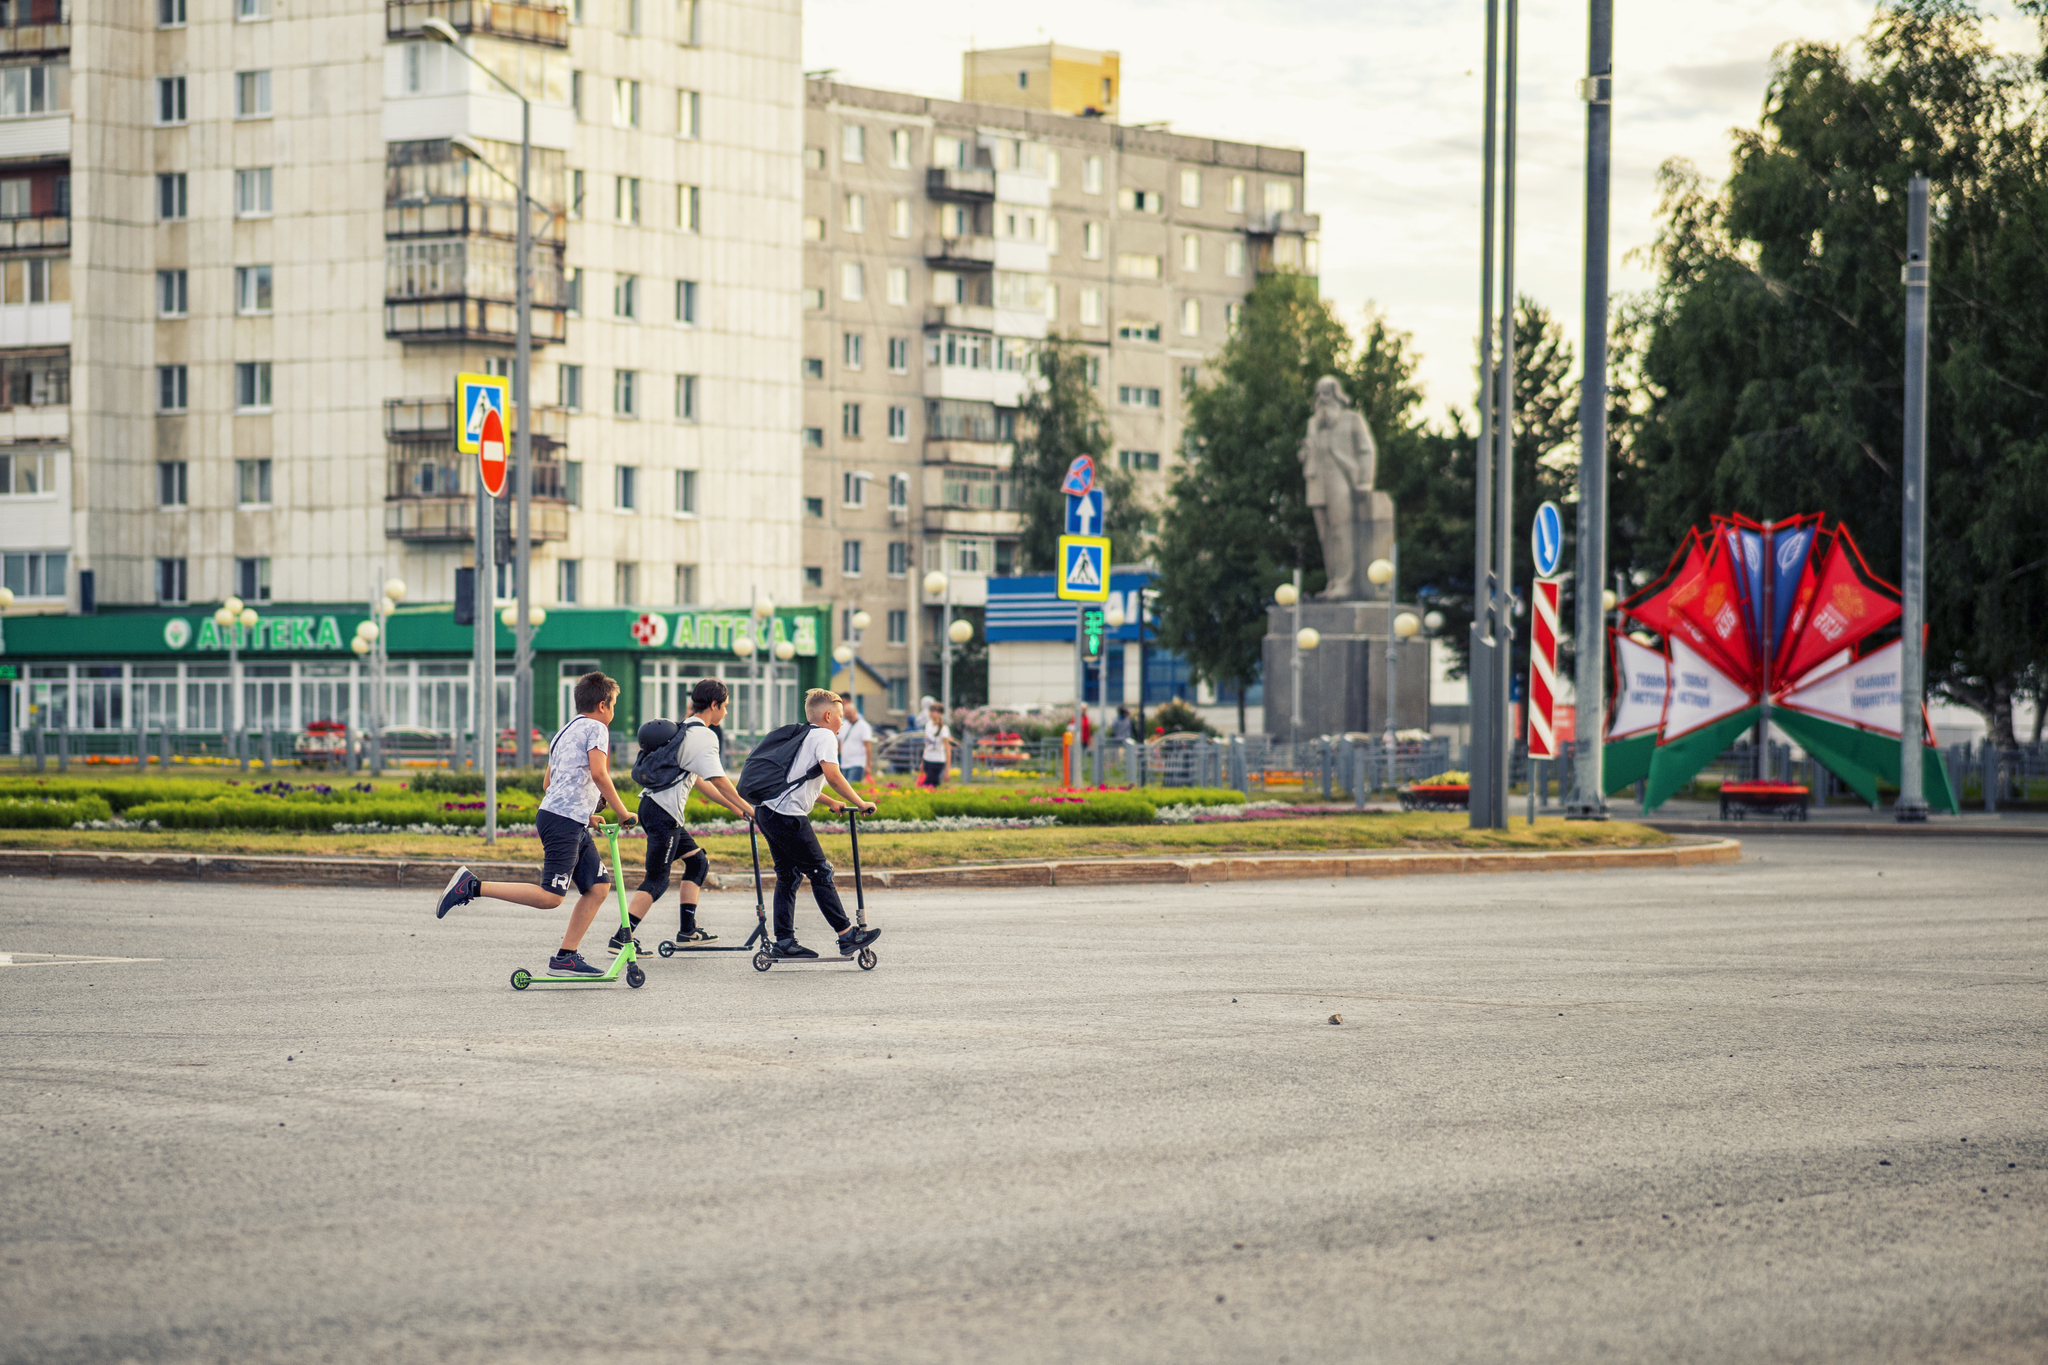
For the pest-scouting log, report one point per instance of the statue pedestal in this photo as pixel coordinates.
(1375, 539)
(1344, 679)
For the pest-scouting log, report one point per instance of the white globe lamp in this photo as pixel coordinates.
(960, 632)
(233, 606)
(1380, 572)
(1308, 637)
(536, 616)
(934, 583)
(247, 618)
(1286, 595)
(359, 645)
(1434, 620)
(1406, 625)
(6, 597)
(861, 620)
(764, 609)
(743, 645)
(395, 589)
(843, 654)
(367, 630)
(784, 650)
(1608, 599)
(1113, 616)
(510, 616)
(223, 618)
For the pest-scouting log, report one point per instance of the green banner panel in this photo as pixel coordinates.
(1625, 762)
(1676, 763)
(1860, 758)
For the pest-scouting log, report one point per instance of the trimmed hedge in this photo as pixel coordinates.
(260, 813)
(52, 814)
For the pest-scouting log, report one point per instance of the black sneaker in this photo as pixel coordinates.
(620, 939)
(462, 888)
(853, 940)
(571, 964)
(791, 948)
(684, 940)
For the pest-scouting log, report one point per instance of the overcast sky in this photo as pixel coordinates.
(1385, 98)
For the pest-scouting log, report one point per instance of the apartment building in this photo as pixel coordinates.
(944, 240)
(246, 245)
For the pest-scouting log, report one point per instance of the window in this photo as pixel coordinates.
(252, 288)
(170, 580)
(28, 475)
(899, 492)
(1137, 459)
(252, 9)
(1091, 241)
(576, 93)
(572, 482)
(252, 94)
(1233, 258)
(625, 104)
(34, 89)
(899, 218)
(1091, 307)
(853, 143)
(171, 392)
(853, 282)
(625, 584)
(689, 209)
(252, 579)
(853, 489)
(1135, 396)
(252, 385)
(853, 347)
(252, 193)
(849, 420)
(814, 576)
(1236, 204)
(39, 574)
(1091, 175)
(1141, 201)
(572, 290)
(170, 197)
(568, 576)
(686, 584)
(1190, 317)
(899, 284)
(854, 213)
(569, 387)
(849, 558)
(814, 438)
(815, 508)
(899, 423)
(814, 158)
(1094, 366)
(814, 367)
(17, 199)
(899, 629)
(899, 147)
(170, 483)
(626, 205)
(1052, 302)
(1190, 252)
(1191, 189)
(686, 302)
(170, 100)
(38, 279)
(689, 108)
(1190, 377)
(686, 398)
(626, 296)
(625, 393)
(576, 194)
(814, 229)
(1137, 331)
(686, 492)
(1279, 196)
(1231, 313)
(899, 558)
(172, 298)
(625, 487)
(252, 483)
(1052, 236)
(631, 16)
(899, 355)
(1139, 266)
(686, 22)
(170, 13)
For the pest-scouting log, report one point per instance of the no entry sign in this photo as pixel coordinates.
(481, 404)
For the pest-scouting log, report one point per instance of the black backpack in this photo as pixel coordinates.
(765, 776)
(659, 768)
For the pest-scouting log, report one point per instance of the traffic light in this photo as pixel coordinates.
(1091, 633)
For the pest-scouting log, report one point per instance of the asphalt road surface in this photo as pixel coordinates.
(1792, 1110)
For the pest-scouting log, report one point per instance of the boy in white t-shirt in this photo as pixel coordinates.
(578, 777)
(661, 811)
(785, 823)
(854, 738)
(938, 746)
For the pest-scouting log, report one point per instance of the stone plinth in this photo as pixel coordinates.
(1344, 680)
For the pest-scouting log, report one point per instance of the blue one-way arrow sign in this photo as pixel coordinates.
(1084, 514)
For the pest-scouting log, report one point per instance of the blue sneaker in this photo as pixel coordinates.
(462, 888)
(790, 948)
(571, 964)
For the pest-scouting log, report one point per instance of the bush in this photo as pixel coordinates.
(527, 780)
(1193, 796)
(1177, 717)
(16, 814)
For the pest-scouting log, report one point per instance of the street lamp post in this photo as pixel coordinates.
(234, 618)
(1289, 595)
(763, 610)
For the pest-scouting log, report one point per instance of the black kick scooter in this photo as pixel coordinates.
(764, 958)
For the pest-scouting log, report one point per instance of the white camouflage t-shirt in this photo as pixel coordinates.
(699, 759)
(571, 792)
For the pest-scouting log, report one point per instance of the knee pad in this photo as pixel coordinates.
(696, 867)
(654, 886)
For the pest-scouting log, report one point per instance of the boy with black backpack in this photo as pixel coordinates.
(784, 777)
(673, 760)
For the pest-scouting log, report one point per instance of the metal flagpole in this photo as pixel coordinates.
(1912, 803)
(1589, 801)
(1479, 672)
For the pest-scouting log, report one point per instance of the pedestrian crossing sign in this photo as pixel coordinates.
(1084, 568)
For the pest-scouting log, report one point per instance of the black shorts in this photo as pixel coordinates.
(568, 853)
(668, 843)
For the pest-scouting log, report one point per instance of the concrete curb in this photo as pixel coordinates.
(283, 871)
(1858, 830)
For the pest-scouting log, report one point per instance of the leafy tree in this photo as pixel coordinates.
(1772, 361)
(1237, 521)
(1063, 419)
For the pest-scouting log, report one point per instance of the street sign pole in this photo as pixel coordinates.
(1504, 430)
(1589, 799)
(1479, 672)
(1911, 807)
(481, 409)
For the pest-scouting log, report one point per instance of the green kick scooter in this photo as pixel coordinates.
(635, 976)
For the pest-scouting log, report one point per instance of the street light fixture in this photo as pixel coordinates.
(234, 618)
(1289, 595)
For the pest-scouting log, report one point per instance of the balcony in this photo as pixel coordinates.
(453, 520)
(1288, 220)
(545, 24)
(960, 317)
(983, 454)
(40, 234)
(431, 496)
(432, 420)
(461, 288)
(960, 253)
(29, 26)
(961, 185)
(465, 318)
(471, 217)
(959, 521)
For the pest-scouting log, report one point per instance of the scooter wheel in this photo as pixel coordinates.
(665, 948)
(762, 962)
(635, 978)
(521, 979)
(866, 959)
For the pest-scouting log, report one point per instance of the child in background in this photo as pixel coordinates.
(938, 746)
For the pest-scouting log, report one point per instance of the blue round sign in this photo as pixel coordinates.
(1546, 539)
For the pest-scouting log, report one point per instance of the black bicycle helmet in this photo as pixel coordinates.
(656, 733)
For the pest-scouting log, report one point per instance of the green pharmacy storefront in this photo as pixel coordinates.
(112, 674)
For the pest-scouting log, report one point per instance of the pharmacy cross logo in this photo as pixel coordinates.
(177, 632)
(651, 631)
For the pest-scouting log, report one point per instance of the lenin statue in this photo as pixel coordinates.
(1338, 461)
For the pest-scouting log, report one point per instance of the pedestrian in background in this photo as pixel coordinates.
(938, 746)
(1120, 728)
(854, 737)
